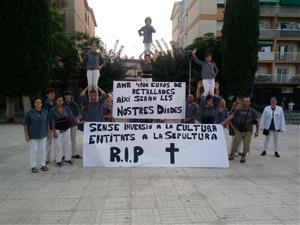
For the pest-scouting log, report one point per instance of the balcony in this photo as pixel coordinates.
(289, 11)
(277, 33)
(266, 56)
(279, 56)
(281, 11)
(287, 56)
(277, 79)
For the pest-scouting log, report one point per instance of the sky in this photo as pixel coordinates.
(121, 19)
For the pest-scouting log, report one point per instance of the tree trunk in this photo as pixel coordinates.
(26, 103)
(10, 109)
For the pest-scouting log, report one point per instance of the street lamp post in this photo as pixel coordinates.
(190, 74)
(189, 54)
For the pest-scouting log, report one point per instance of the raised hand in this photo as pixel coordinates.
(194, 51)
(199, 84)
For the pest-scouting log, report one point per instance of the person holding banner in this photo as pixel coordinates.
(272, 123)
(190, 110)
(209, 71)
(107, 106)
(147, 67)
(93, 108)
(207, 111)
(94, 63)
(244, 117)
(36, 129)
(60, 120)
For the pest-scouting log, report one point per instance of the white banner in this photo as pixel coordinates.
(149, 100)
(154, 145)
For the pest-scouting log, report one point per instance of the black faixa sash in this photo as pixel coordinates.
(63, 124)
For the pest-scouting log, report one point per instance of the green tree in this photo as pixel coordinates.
(240, 45)
(25, 29)
(172, 66)
(24, 49)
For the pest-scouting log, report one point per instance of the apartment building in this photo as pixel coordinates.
(194, 18)
(278, 70)
(79, 17)
(279, 40)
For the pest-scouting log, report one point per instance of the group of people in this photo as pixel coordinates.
(57, 119)
(210, 108)
(238, 122)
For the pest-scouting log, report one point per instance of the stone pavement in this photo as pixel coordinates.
(263, 191)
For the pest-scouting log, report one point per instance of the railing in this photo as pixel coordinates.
(287, 56)
(266, 56)
(279, 56)
(284, 33)
(280, 11)
(277, 79)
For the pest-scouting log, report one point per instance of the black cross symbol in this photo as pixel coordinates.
(172, 151)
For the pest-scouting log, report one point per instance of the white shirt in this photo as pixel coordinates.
(266, 118)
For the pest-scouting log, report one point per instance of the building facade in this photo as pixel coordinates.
(79, 17)
(278, 70)
(194, 18)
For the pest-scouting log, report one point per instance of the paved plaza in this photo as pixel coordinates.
(263, 191)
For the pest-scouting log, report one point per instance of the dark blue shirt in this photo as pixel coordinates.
(147, 31)
(92, 60)
(74, 109)
(206, 115)
(61, 121)
(208, 70)
(221, 115)
(36, 123)
(48, 106)
(93, 112)
(191, 112)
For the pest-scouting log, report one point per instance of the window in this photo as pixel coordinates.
(263, 24)
(85, 17)
(221, 3)
(286, 52)
(282, 73)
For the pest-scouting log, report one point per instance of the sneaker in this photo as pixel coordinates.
(243, 160)
(44, 168)
(69, 162)
(59, 164)
(76, 157)
(63, 158)
(277, 155)
(230, 157)
(263, 153)
(34, 170)
(47, 162)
